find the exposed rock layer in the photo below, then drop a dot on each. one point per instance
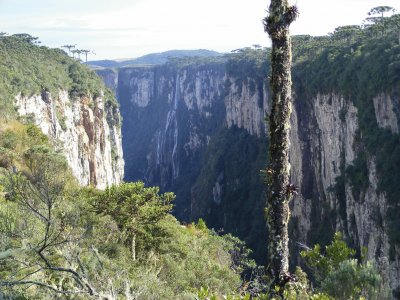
(86, 130)
(325, 130)
(178, 120)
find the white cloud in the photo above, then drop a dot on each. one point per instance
(322, 17)
(128, 28)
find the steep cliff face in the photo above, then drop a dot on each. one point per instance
(347, 107)
(87, 131)
(110, 78)
(173, 109)
(326, 129)
(245, 107)
(68, 102)
(387, 111)
(199, 131)
(190, 129)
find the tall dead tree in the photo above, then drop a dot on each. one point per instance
(78, 52)
(86, 54)
(277, 24)
(69, 47)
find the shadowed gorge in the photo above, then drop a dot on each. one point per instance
(180, 136)
(342, 112)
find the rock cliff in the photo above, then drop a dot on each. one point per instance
(198, 130)
(387, 111)
(86, 130)
(326, 135)
(68, 102)
(180, 121)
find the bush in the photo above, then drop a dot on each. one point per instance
(8, 139)
(352, 280)
(341, 276)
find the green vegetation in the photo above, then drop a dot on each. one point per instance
(29, 69)
(61, 239)
(133, 208)
(360, 64)
(230, 154)
(341, 276)
(336, 273)
(246, 63)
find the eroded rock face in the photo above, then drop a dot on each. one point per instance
(325, 134)
(110, 78)
(178, 120)
(245, 107)
(176, 126)
(164, 114)
(86, 130)
(387, 111)
(187, 98)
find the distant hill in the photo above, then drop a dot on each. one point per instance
(153, 58)
(103, 63)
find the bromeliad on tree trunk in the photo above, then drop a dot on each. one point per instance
(276, 24)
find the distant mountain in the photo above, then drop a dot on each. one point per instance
(153, 58)
(103, 63)
(161, 58)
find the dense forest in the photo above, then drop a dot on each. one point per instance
(60, 240)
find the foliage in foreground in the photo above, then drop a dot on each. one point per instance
(58, 240)
(336, 275)
(341, 276)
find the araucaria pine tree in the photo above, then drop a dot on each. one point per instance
(276, 24)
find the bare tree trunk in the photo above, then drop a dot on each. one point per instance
(133, 246)
(277, 23)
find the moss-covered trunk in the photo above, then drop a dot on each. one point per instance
(281, 15)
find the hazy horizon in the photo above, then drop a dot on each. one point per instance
(133, 28)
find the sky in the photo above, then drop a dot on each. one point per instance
(131, 28)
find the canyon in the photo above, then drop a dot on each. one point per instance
(198, 129)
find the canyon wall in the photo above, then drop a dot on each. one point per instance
(86, 130)
(199, 130)
(326, 145)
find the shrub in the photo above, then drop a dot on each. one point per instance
(341, 276)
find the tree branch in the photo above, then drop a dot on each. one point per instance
(34, 272)
(38, 283)
(78, 278)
